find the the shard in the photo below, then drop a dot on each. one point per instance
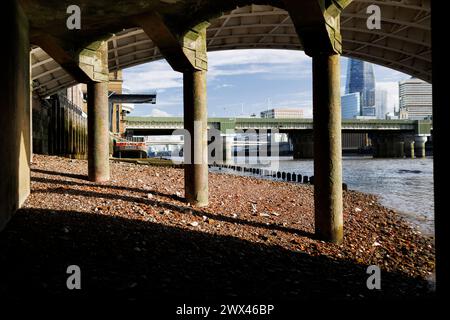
(360, 78)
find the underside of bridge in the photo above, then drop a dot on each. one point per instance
(116, 35)
(403, 43)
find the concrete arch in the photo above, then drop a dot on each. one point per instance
(403, 43)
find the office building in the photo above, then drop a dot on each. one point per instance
(361, 79)
(283, 113)
(415, 98)
(381, 103)
(350, 105)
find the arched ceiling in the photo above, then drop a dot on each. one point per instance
(403, 43)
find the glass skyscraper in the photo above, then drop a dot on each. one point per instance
(381, 103)
(350, 105)
(360, 78)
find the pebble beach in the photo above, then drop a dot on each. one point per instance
(135, 237)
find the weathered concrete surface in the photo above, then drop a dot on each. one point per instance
(195, 122)
(15, 118)
(102, 16)
(98, 124)
(98, 132)
(183, 52)
(317, 23)
(327, 148)
(85, 63)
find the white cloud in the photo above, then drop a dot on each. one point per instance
(255, 56)
(158, 75)
(158, 113)
(224, 85)
(275, 63)
(152, 76)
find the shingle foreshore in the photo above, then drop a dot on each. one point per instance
(136, 237)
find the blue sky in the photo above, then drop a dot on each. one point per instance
(242, 82)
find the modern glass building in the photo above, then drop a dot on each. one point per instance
(350, 105)
(361, 79)
(381, 103)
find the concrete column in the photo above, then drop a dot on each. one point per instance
(71, 133)
(16, 114)
(419, 146)
(409, 146)
(98, 132)
(388, 145)
(327, 148)
(399, 146)
(382, 147)
(394, 146)
(303, 143)
(195, 122)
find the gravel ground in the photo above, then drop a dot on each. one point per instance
(135, 237)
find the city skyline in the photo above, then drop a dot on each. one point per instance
(245, 82)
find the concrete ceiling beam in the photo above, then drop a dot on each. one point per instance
(317, 23)
(83, 64)
(183, 52)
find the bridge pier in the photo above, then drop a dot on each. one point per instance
(16, 113)
(98, 127)
(327, 147)
(398, 145)
(303, 144)
(419, 146)
(388, 145)
(196, 123)
(409, 146)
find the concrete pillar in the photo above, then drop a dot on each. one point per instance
(71, 132)
(398, 146)
(15, 112)
(388, 145)
(327, 148)
(419, 146)
(409, 147)
(77, 135)
(195, 122)
(395, 146)
(303, 143)
(98, 132)
(382, 147)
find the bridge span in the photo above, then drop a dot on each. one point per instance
(389, 138)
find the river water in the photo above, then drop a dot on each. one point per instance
(405, 185)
